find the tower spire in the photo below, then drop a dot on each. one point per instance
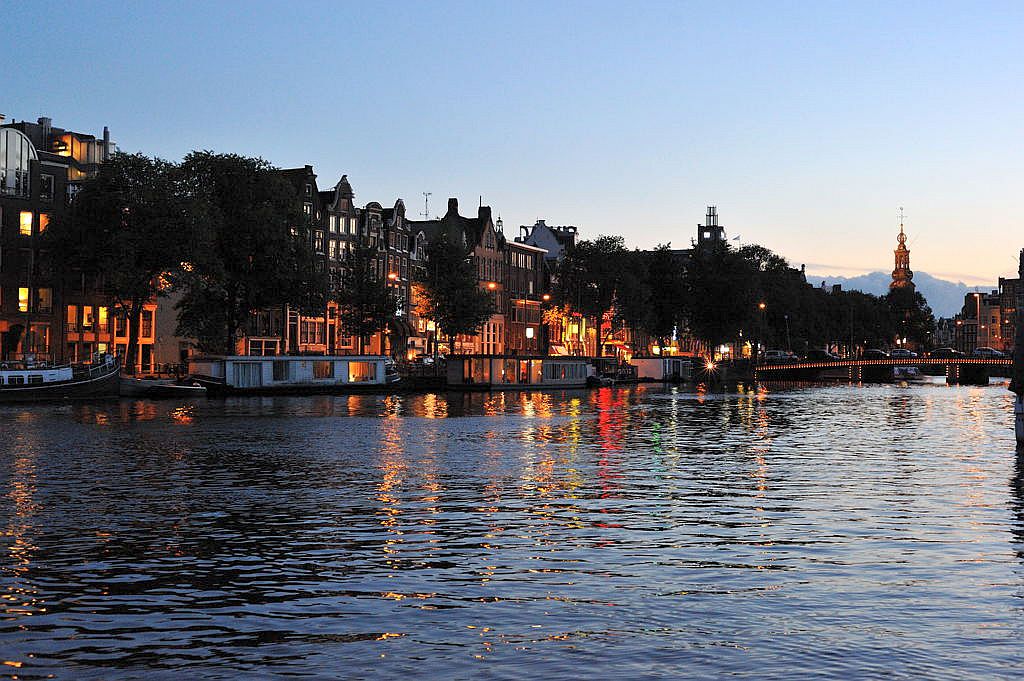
(902, 276)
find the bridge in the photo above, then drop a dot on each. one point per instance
(973, 370)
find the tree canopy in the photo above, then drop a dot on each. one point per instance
(253, 249)
(131, 223)
(449, 293)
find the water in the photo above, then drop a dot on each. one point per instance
(813, 532)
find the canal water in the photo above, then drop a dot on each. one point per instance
(617, 533)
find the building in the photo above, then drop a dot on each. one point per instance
(53, 316)
(902, 276)
(979, 322)
(1009, 289)
(512, 271)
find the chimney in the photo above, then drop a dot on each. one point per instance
(46, 124)
(106, 143)
(484, 213)
(453, 206)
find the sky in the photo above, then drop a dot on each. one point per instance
(809, 124)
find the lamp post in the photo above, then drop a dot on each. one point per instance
(789, 344)
(760, 331)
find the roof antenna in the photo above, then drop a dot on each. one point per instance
(426, 205)
(481, 200)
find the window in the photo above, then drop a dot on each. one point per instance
(39, 338)
(104, 322)
(46, 187)
(361, 372)
(147, 324)
(44, 222)
(16, 155)
(25, 223)
(323, 369)
(87, 318)
(23, 299)
(44, 300)
(281, 370)
(121, 324)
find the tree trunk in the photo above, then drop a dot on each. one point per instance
(132, 351)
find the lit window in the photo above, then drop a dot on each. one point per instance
(102, 311)
(44, 222)
(87, 318)
(26, 223)
(44, 300)
(23, 299)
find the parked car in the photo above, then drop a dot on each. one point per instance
(779, 357)
(946, 353)
(875, 353)
(819, 355)
(902, 353)
(988, 352)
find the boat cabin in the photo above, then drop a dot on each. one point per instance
(511, 372)
(663, 368)
(256, 373)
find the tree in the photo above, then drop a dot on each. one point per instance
(450, 295)
(589, 275)
(253, 250)
(130, 223)
(366, 302)
(665, 281)
(720, 287)
(912, 317)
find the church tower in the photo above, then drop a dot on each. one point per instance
(902, 276)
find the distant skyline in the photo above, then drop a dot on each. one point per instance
(807, 124)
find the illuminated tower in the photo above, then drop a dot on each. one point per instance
(902, 276)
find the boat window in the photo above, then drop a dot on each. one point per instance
(323, 369)
(281, 370)
(15, 380)
(361, 372)
(35, 378)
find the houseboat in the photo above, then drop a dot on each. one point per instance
(28, 381)
(254, 374)
(663, 368)
(518, 372)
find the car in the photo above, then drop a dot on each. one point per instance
(946, 353)
(779, 357)
(819, 355)
(875, 353)
(985, 351)
(902, 353)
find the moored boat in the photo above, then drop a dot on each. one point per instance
(257, 375)
(518, 372)
(152, 387)
(32, 382)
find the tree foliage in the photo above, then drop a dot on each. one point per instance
(449, 292)
(253, 249)
(366, 302)
(590, 274)
(130, 222)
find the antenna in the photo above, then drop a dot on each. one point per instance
(426, 205)
(901, 218)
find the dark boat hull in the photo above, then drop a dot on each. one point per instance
(133, 387)
(217, 388)
(102, 386)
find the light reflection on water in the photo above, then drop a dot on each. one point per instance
(843, 531)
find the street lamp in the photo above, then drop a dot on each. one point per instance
(760, 332)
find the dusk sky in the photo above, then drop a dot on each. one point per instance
(807, 124)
